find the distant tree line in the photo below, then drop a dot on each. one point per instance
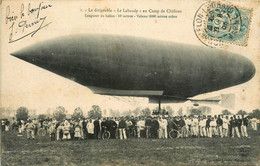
(60, 112)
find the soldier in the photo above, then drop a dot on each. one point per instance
(30, 127)
(234, 127)
(14, 125)
(225, 127)
(81, 124)
(72, 128)
(96, 128)
(22, 125)
(3, 125)
(187, 126)
(213, 126)
(117, 129)
(19, 124)
(208, 127)
(52, 131)
(7, 123)
(134, 121)
(122, 127)
(103, 125)
(35, 122)
(45, 124)
(193, 127)
(129, 126)
(163, 128)
(59, 130)
(141, 126)
(154, 128)
(202, 124)
(244, 126)
(170, 125)
(90, 128)
(196, 126)
(219, 126)
(183, 127)
(148, 124)
(254, 123)
(239, 124)
(111, 127)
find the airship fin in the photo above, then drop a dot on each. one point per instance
(224, 100)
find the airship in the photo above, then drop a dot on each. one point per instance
(141, 67)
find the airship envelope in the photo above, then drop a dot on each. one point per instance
(132, 66)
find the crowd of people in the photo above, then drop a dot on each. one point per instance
(157, 126)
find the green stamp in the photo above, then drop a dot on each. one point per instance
(227, 23)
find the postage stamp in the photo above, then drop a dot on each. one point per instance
(217, 23)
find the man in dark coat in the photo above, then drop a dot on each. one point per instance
(239, 123)
(103, 125)
(148, 124)
(175, 122)
(122, 128)
(96, 128)
(208, 126)
(219, 126)
(134, 128)
(154, 128)
(84, 129)
(183, 126)
(170, 125)
(234, 126)
(111, 127)
(244, 126)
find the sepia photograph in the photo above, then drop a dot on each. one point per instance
(130, 82)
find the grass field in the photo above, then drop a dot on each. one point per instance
(202, 151)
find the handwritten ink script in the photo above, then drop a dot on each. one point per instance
(26, 21)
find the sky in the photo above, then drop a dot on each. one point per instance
(23, 84)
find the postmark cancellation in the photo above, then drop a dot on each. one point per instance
(223, 23)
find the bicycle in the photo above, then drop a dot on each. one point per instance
(42, 132)
(105, 134)
(175, 133)
(132, 132)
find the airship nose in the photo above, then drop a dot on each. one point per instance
(247, 70)
(31, 58)
(40, 54)
(20, 55)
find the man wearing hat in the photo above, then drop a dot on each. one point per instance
(213, 126)
(225, 127)
(208, 126)
(219, 126)
(154, 128)
(202, 124)
(183, 127)
(244, 126)
(122, 127)
(234, 127)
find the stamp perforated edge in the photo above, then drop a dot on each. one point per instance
(223, 41)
